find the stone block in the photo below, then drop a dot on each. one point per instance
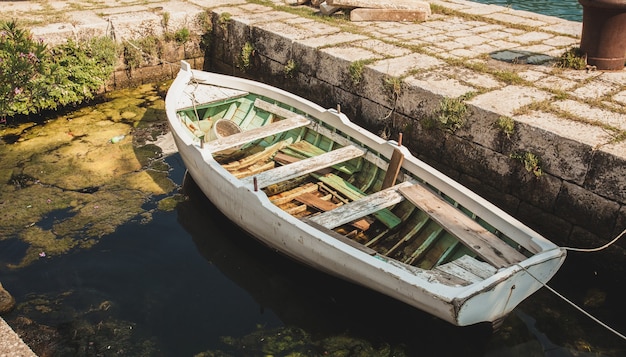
(509, 99)
(607, 172)
(566, 147)
(586, 209)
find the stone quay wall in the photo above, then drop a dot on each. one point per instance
(543, 143)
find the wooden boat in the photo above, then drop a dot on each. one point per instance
(307, 182)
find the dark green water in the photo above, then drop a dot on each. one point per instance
(565, 9)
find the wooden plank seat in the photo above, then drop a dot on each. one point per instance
(360, 208)
(468, 268)
(235, 140)
(479, 240)
(353, 193)
(272, 108)
(306, 166)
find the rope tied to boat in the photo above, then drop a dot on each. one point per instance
(598, 321)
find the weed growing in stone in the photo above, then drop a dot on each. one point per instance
(531, 162)
(291, 68)
(182, 36)
(573, 58)
(246, 55)
(506, 125)
(356, 71)
(451, 114)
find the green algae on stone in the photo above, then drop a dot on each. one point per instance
(65, 184)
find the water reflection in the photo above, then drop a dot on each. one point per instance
(565, 9)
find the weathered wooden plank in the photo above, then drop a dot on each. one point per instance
(273, 108)
(394, 168)
(399, 15)
(339, 237)
(323, 205)
(244, 137)
(479, 240)
(468, 268)
(306, 166)
(287, 196)
(360, 208)
(315, 201)
(345, 188)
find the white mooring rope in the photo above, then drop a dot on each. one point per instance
(617, 333)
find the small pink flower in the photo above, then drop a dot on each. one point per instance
(42, 255)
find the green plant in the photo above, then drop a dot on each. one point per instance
(223, 20)
(182, 36)
(290, 68)
(573, 58)
(451, 113)
(532, 163)
(34, 78)
(506, 125)
(246, 55)
(132, 56)
(393, 87)
(356, 71)
(508, 77)
(165, 20)
(21, 61)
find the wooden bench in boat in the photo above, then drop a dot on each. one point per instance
(360, 208)
(353, 193)
(485, 244)
(235, 140)
(272, 108)
(306, 166)
(468, 269)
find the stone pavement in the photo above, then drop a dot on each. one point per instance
(503, 57)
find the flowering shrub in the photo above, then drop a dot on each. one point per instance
(34, 77)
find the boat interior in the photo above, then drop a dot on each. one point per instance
(338, 185)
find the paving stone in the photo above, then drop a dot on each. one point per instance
(530, 37)
(562, 41)
(396, 67)
(463, 53)
(383, 48)
(531, 75)
(616, 77)
(517, 20)
(507, 100)
(496, 35)
(554, 82)
(595, 89)
(473, 78)
(620, 97)
(570, 28)
(332, 39)
(592, 114)
(449, 45)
